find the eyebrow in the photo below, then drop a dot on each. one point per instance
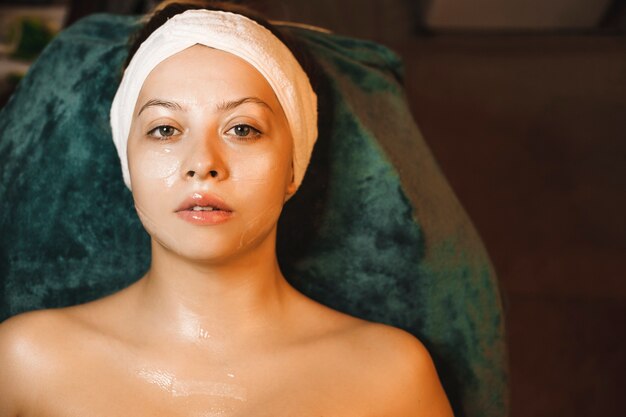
(172, 105)
(229, 105)
(223, 106)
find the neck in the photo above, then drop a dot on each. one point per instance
(235, 298)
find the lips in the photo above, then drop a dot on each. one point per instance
(204, 209)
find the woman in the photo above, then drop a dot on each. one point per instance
(214, 122)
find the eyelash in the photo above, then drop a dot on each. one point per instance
(162, 137)
(252, 134)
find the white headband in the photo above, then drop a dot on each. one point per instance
(239, 36)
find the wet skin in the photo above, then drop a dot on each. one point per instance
(213, 328)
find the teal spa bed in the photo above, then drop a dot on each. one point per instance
(386, 238)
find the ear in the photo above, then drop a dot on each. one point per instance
(291, 188)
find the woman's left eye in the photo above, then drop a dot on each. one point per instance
(244, 131)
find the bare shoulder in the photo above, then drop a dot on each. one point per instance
(402, 372)
(27, 349)
(386, 370)
(35, 349)
(27, 335)
(36, 332)
(394, 346)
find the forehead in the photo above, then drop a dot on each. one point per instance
(204, 74)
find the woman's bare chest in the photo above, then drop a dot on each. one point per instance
(276, 387)
(198, 398)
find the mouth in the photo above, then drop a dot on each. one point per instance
(204, 209)
(203, 202)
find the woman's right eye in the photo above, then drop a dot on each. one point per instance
(163, 132)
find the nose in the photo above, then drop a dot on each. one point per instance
(205, 160)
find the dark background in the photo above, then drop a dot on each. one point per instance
(528, 123)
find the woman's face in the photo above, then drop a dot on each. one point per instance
(209, 154)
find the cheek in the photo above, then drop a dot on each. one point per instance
(150, 169)
(270, 165)
(152, 165)
(153, 207)
(261, 181)
(259, 225)
(257, 168)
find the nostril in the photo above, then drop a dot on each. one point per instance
(212, 173)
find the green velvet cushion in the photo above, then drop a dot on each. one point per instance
(380, 233)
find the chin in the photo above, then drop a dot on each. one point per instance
(211, 245)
